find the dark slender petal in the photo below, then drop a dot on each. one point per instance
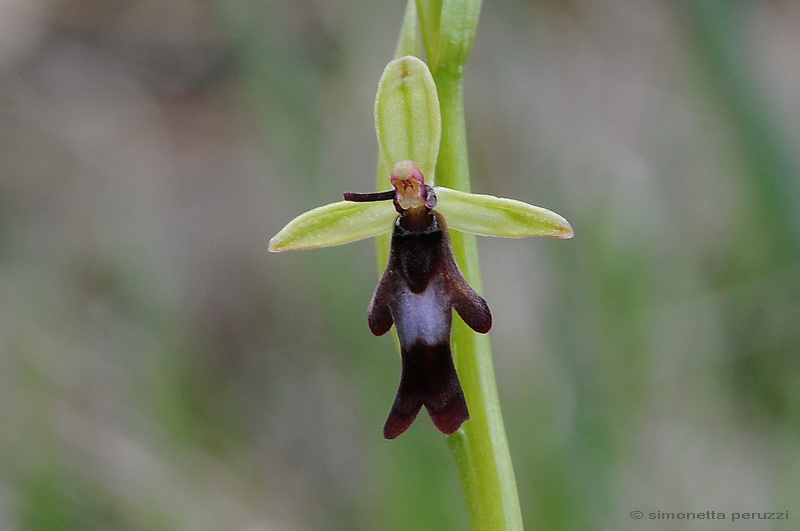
(372, 196)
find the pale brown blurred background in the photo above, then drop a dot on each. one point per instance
(159, 370)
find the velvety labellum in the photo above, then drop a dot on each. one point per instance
(420, 287)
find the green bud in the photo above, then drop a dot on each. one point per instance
(409, 41)
(430, 13)
(407, 119)
(458, 23)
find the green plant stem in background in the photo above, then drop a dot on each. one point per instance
(480, 447)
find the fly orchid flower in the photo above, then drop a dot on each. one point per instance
(422, 282)
(420, 287)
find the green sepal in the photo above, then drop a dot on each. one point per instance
(335, 224)
(488, 215)
(407, 117)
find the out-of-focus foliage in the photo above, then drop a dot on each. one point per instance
(160, 370)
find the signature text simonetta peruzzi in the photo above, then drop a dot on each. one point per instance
(710, 515)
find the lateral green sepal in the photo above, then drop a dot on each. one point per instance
(488, 215)
(334, 224)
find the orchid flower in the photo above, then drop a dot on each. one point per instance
(422, 282)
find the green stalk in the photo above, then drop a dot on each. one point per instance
(480, 448)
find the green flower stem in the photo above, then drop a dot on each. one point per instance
(480, 447)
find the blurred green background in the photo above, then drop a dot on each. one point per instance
(159, 370)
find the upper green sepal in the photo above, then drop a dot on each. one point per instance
(489, 215)
(407, 116)
(334, 224)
